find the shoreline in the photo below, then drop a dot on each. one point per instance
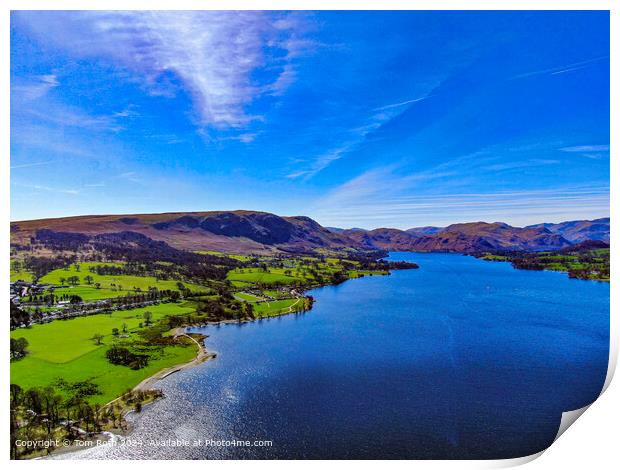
(201, 356)
(145, 385)
(148, 384)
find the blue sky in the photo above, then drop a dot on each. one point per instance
(357, 119)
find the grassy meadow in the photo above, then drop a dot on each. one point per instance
(64, 349)
(112, 283)
(255, 275)
(275, 308)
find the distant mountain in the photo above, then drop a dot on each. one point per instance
(227, 231)
(481, 236)
(577, 231)
(588, 245)
(255, 232)
(340, 230)
(462, 238)
(428, 230)
(382, 238)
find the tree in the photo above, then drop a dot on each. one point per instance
(16, 393)
(124, 327)
(122, 356)
(19, 317)
(88, 279)
(97, 285)
(249, 310)
(115, 331)
(19, 348)
(63, 281)
(73, 280)
(148, 316)
(97, 338)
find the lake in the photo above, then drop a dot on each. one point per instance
(460, 359)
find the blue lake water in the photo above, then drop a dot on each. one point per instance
(461, 359)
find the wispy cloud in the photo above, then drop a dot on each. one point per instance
(33, 88)
(519, 207)
(586, 148)
(392, 196)
(38, 187)
(30, 99)
(383, 182)
(213, 53)
(63, 115)
(322, 161)
(402, 103)
(54, 141)
(562, 68)
(593, 152)
(28, 165)
(353, 137)
(519, 164)
(130, 176)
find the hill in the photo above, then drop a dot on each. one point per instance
(226, 231)
(462, 238)
(246, 232)
(428, 230)
(577, 231)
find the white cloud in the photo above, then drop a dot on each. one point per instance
(353, 138)
(586, 148)
(213, 53)
(402, 103)
(36, 87)
(562, 68)
(38, 187)
(131, 176)
(28, 165)
(321, 162)
(520, 164)
(520, 207)
(30, 98)
(395, 197)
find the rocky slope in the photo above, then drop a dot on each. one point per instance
(577, 231)
(228, 231)
(462, 238)
(257, 232)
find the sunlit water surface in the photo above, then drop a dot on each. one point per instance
(462, 358)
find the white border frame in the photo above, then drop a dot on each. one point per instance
(593, 442)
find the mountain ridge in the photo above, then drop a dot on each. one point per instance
(577, 231)
(245, 231)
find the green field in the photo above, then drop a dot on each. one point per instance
(112, 283)
(277, 307)
(21, 276)
(248, 297)
(113, 380)
(276, 294)
(225, 255)
(255, 275)
(579, 264)
(63, 349)
(89, 293)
